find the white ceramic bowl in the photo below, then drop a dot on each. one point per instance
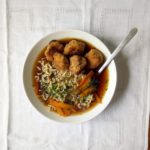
(27, 76)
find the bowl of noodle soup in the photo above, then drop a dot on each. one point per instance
(61, 77)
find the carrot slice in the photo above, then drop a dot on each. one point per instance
(97, 98)
(87, 91)
(67, 112)
(56, 104)
(60, 112)
(84, 82)
(86, 79)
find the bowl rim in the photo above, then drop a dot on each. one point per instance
(57, 32)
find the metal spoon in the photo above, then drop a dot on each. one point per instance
(122, 44)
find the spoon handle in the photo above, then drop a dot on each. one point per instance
(123, 43)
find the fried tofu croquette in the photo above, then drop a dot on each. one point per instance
(77, 64)
(53, 46)
(94, 58)
(74, 47)
(60, 61)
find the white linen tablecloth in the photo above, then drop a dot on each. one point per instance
(124, 124)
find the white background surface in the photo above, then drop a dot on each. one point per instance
(123, 125)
